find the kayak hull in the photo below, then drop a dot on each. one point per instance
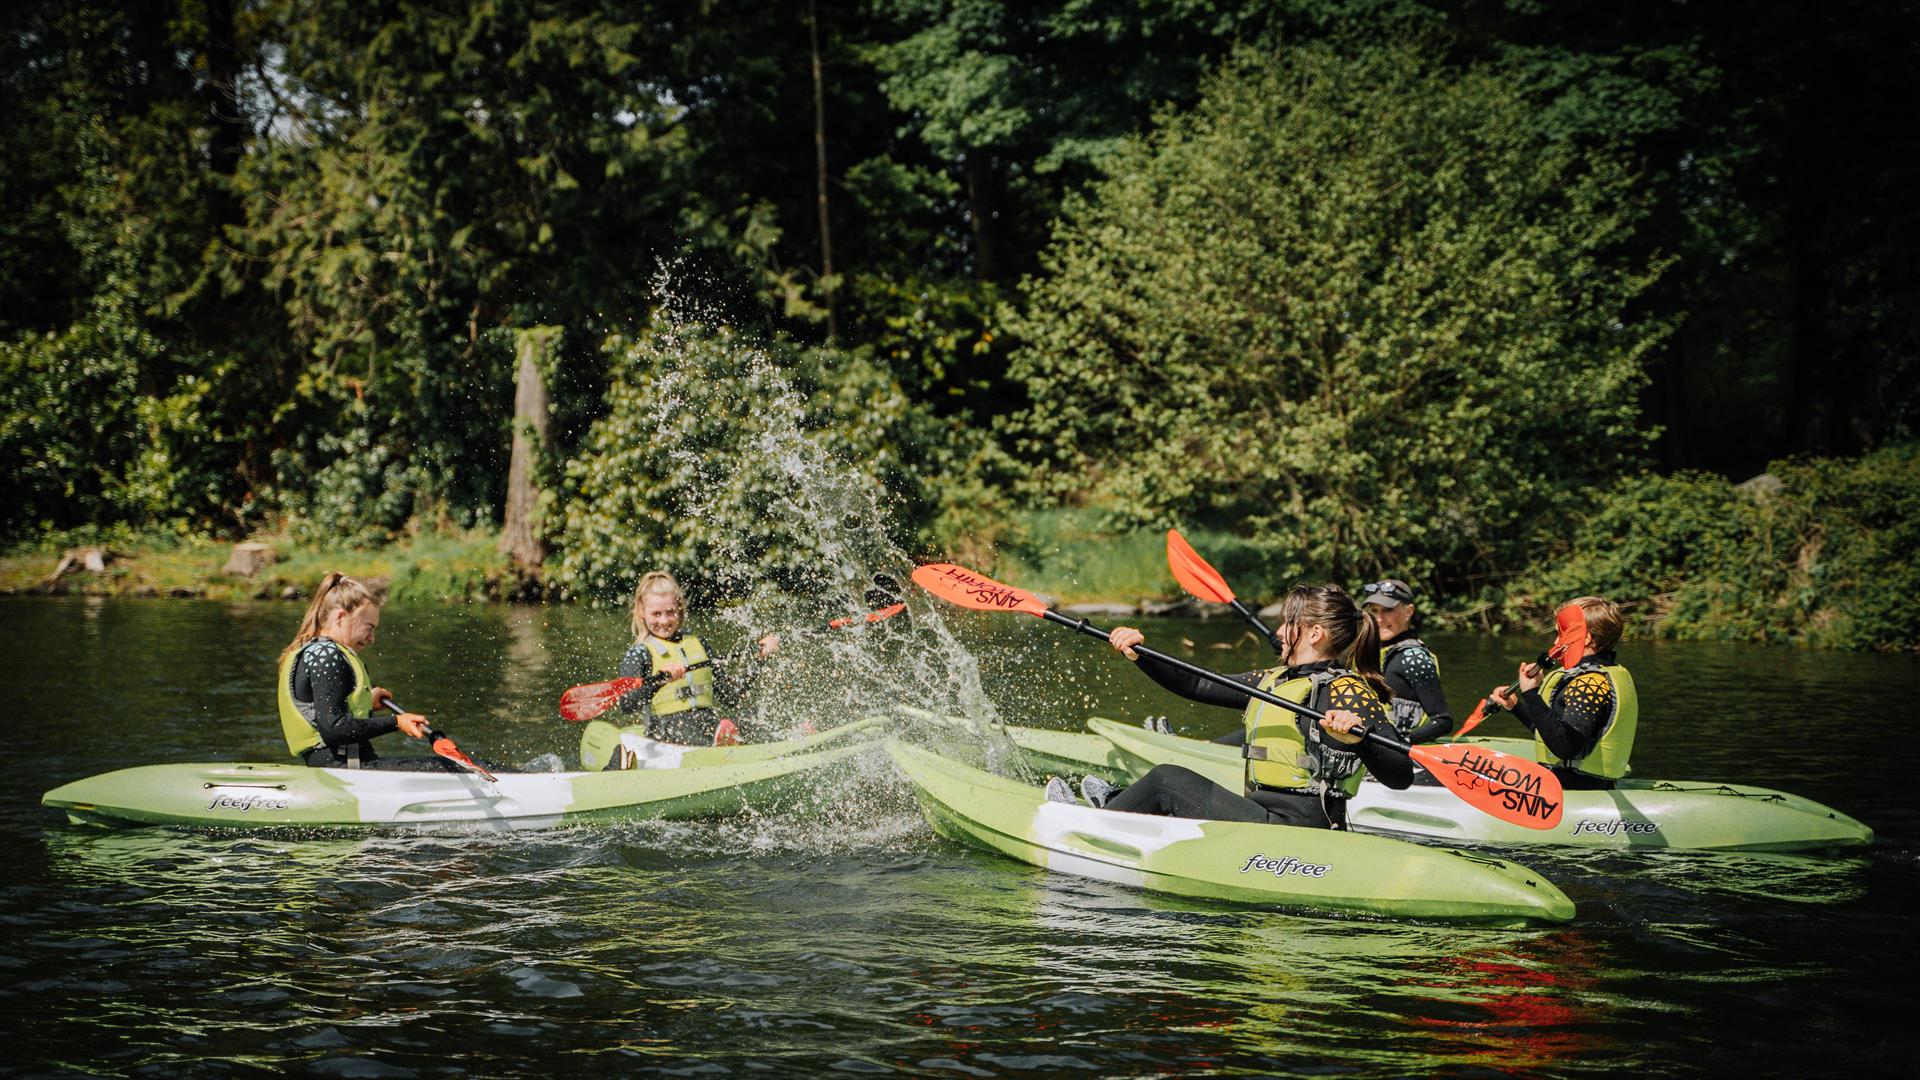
(1637, 815)
(1268, 865)
(600, 739)
(247, 796)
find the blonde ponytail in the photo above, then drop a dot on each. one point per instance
(336, 592)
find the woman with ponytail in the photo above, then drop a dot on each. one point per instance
(1299, 771)
(326, 699)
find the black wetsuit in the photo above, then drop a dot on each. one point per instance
(1411, 673)
(1180, 792)
(322, 677)
(1571, 725)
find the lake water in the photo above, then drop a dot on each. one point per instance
(849, 938)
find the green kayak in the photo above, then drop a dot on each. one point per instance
(287, 796)
(1636, 815)
(600, 739)
(1277, 865)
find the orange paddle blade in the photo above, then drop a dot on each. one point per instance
(959, 585)
(845, 621)
(1510, 788)
(1571, 643)
(727, 733)
(1473, 719)
(1193, 573)
(586, 702)
(445, 748)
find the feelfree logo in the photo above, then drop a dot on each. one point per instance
(1284, 865)
(245, 803)
(1614, 828)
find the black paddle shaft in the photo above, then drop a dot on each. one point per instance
(1196, 670)
(1249, 614)
(1545, 659)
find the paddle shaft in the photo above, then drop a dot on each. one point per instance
(1541, 663)
(434, 736)
(1197, 671)
(1253, 618)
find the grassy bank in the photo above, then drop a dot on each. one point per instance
(430, 567)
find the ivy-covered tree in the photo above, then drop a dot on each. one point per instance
(1351, 305)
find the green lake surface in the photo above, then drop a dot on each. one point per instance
(847, 938)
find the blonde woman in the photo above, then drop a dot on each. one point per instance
(679, 698)
(327, 700)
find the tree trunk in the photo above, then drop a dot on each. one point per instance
(518, 540)
(984, 268)
(820, 167)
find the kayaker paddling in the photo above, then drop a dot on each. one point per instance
(327, 701)
(1583, 719)
(1298, 771)
(1418, 706)
(681, 688)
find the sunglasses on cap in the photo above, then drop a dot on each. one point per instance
(1389, 588)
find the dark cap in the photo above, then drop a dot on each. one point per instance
(1390, 593)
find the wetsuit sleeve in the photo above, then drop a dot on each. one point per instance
(1352, 693)
(1412, 673)
(1572, 725)
(329, 680)
(1194, 688)
(636, 664)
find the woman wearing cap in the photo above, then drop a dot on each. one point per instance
(678, 699)
(1583, 719)
(327, 700)
(1299, 771)
(1419, 706)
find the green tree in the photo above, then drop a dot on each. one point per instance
(735, 464)
(1351, 304)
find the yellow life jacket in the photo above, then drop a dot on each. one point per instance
(694, 690)
(1287, 751)
(1407, 713)
(296, 718)
(1609, 756)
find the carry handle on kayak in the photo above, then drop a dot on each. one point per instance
(443, 744)
(1511, 788)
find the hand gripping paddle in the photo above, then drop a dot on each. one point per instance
(443, 744)
(1510, 788)
(1569, 647)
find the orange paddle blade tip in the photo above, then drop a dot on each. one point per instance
(959, 585)
(1473, 719)
(1193, 573)
(1510, 788)
(726, 734)
(845, 621)
(1570, 641)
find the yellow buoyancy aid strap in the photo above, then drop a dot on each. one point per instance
(694, 690)
(1610, 756)
(1287, 751)
(296, 718)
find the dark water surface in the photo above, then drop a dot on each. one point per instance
(850, 939)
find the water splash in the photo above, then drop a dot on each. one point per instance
(817, 545)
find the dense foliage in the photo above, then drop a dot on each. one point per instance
(1815, 552)
(1351, 301)
(726, 463)
(263, 262)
